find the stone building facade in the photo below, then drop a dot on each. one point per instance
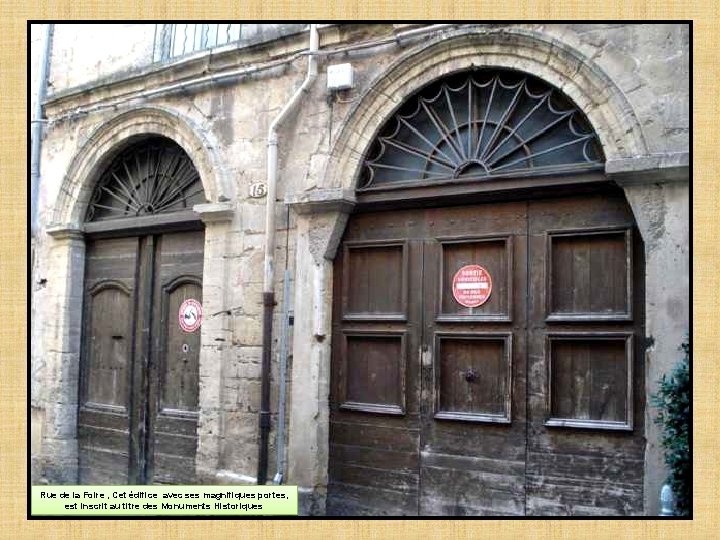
(114, 86)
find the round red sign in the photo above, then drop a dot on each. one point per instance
(472, 286)
(190, 315)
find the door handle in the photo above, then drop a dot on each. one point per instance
(470, 375)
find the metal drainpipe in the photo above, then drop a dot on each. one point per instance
(282, 392)
(269, 266)
(36, 130)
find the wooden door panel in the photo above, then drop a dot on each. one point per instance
(101, 465)
(364, 498)
(137, 360)
(111, 259)
(473, 431)
(107, 362)
(590, 275)
(585, 396)
(381, 437)
(178, 379)
(372, 377)
(473, 377)
(375, 281)
(475, 489)
(403, 482)
(374, 402)
(548, 498)
(492, 253)
(174, 370)
(590, 380)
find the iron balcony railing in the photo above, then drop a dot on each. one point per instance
(175, 40)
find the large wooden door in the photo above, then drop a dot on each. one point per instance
(137, 417)
(528, 404)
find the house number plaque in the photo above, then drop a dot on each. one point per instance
(258, 190)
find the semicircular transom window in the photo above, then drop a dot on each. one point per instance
(478, 125)
(153, 176)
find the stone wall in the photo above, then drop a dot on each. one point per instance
(647, 117)
(83, 53)
(650, 64)
(88, 54)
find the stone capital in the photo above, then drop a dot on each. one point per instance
(650, 169)
(62, 232)
(322, 200)
(215, 212)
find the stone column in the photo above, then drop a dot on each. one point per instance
(63, 316)
(215, 338)
(322, 215)
(657, 189)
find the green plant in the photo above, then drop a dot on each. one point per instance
(673, 402)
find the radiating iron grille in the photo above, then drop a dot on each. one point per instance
(480, 125)
(174, 40)
(151, 177)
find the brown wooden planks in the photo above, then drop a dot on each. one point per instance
(173, 469)
(448, 490)
(102, 467)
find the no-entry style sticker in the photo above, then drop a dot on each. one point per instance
(472, 286)
(190, 315)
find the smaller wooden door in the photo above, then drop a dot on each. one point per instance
(137, 418)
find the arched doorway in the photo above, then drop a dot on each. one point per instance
(488, 306)
(138, 396)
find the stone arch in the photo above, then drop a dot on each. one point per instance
(576, 75)
(112, 136)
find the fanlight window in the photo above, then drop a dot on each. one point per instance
(154, 176)
(479, 125)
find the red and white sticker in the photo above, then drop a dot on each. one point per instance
(190, 315)
(472, 286)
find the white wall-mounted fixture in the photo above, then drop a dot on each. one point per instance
(340, 77)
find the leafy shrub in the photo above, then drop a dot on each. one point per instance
(673, 401)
